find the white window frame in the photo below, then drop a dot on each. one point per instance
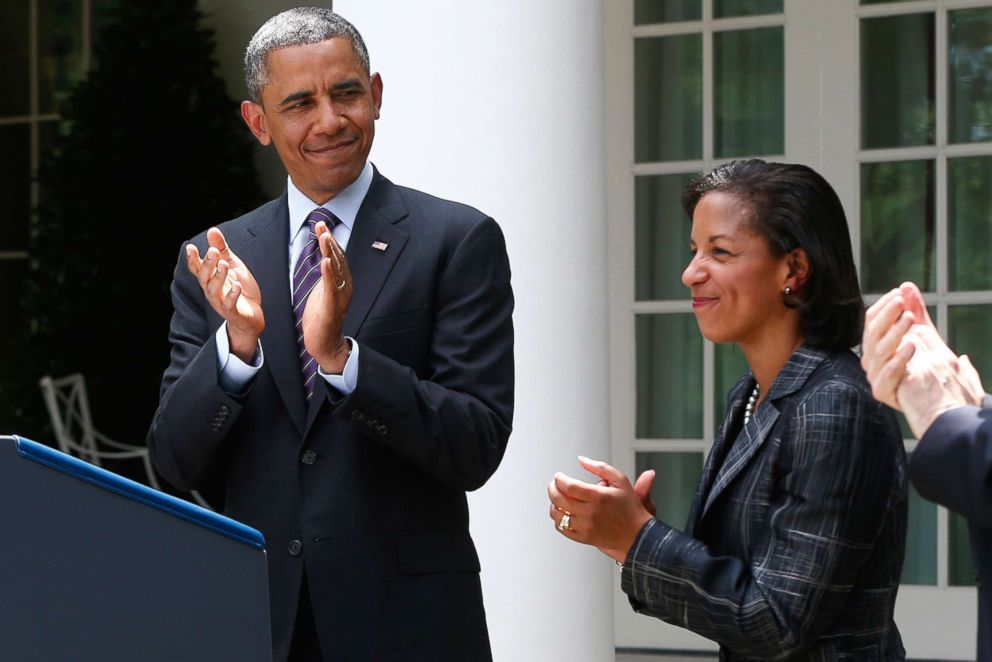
(822, 83)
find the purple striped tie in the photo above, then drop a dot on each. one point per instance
(307, 275)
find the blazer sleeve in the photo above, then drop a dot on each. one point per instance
(844, 471)
(454, 423)
(194, 413)
(952, 464)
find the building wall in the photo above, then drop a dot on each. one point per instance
(501, 106)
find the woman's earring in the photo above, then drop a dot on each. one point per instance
(787, 291)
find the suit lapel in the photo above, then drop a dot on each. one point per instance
(268, 259)
(369, 266)
(375, 224)
(790, 379)
(720, 442)
(750, 439)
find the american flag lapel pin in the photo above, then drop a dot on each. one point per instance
(380, 245)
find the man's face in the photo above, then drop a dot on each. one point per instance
(319, 109)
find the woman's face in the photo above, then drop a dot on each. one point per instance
(737, 284)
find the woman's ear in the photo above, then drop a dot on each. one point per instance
(799, 267)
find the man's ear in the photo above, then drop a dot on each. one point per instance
(376, 83)
(254, 117)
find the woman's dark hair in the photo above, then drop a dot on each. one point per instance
(792, 207)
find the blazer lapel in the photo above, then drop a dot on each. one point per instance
(268, 259)
(369, 264)
(720, 442)
(750, 439)
(753, 435)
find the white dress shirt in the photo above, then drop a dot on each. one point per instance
(235, 374)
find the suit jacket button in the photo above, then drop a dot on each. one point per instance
(355, 414)
(381, 430)
(309, 457)
(295, 547)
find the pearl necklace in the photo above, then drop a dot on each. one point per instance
(750, 404)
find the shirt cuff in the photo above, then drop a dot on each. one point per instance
(345, 382)
(234, 375)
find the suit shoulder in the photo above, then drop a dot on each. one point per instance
(235, 228)
(841, 370)
(440, 210)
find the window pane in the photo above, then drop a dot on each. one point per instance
(665, 11)
(668, 98)
(661, 242)
(970, 329)
(60, 50)
(15, 185)
(970, 75)
(730, 367)
(961, 568)
(969, 333)
(12, 274)
(920, 566)
(15, 80)
(897, 81)
(897, 225)
(676, 478)
(969, 222)
(749, 96)
(669, 376)
(726, 8)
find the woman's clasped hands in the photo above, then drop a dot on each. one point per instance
(607, 515)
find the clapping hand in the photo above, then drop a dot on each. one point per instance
(231, 291)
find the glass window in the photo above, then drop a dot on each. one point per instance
(898, 240)
(666, 11)
(749, 92)
(961, 571)
(897, 81)
(668, 98)
(969, 73)
(728, 8)
(661, 241)
(669, 376)
(969, 333)
(970, 329)
(15, 74)
(969, 222)
(730, 367)
(15, 185)
(12, 275)
(60, 51)
(920, 566)
(676, 478)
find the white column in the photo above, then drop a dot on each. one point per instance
(501, 105)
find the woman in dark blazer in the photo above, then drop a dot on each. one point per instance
(795, 538)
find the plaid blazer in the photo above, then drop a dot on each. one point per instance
(795, 540)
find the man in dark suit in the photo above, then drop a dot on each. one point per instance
(911, 369)
(343, 402)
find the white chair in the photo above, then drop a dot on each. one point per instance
(69, 409)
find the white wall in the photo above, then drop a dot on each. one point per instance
(501, 105)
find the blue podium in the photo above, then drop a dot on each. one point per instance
(96, 567)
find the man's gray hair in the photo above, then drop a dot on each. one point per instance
(296, 27)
